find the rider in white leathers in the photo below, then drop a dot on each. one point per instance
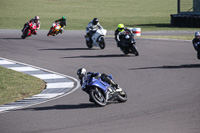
(92, 27)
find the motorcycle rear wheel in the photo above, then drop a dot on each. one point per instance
(97, 97)
(122, 97)
(102, 43)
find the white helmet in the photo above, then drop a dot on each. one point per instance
(37, 17)
(81, 72)
(197, 34)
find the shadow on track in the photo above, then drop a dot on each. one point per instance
(12, 38)
(170, 67)
(100, 56)
(63, 107)
(68, 49)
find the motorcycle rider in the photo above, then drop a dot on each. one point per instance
(121, 30)
(62, 22)
(196, 42)
(34, 20)
(83, 75)
(92, 27)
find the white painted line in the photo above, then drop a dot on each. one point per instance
(45, 97)
(23, 69)
(8, 108)
(50, 95)
(4, 62)
(48, 76)
(60, 85)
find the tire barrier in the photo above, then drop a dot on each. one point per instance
(179, 20)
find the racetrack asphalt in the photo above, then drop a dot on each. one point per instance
(162, 84)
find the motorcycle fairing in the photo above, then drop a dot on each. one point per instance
(98, 83)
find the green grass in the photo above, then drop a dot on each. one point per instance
(148, 14)
(16, 86)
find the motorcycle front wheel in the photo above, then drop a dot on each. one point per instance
(102, 43)
(25, 34)
(23, 37)
(122, 97)
(88, 44)
(134, 50)
(50, 32)
(97, 97)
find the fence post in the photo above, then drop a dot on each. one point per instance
(178, 6)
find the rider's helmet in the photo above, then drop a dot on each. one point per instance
(120, 27)
(95, 21)
(36, 19)
(81, 72)
(63, 17)
(197, 35)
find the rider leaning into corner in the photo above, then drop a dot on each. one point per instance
(62, 22)
(121, 30)
(92, 26)
(83, 75)
(34, 20)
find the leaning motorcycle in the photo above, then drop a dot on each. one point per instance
(101, 92)
(54, 30)
(128, 44)
(97, 39)
(29, 30)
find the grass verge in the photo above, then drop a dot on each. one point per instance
(150, 15)
(16, 86)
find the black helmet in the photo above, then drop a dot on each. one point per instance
(95, 21)
(81, 72)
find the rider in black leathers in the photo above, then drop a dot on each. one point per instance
(196, 43)
(121, 30)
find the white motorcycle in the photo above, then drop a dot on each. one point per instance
(97, 39)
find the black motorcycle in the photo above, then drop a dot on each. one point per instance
(128, 44)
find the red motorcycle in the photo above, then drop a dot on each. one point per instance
(29, 30)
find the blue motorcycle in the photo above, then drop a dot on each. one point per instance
(101, 92)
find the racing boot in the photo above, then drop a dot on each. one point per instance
(117, 88)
